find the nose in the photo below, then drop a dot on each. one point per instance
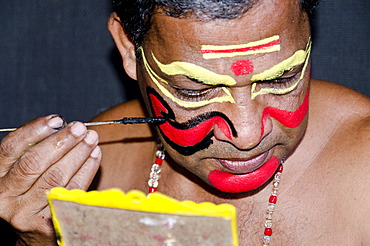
(250, 123)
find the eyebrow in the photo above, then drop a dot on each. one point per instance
(155, 77)
(278, 70)
(193, 71)
(254, 93)
(266, 45)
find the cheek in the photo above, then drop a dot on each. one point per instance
(289, 119)
(192, 135)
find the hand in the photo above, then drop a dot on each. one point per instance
(35, 158)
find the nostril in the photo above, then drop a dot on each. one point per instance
(247, 136)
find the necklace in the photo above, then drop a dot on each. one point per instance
(155, 171)
(155, 175)
(271, 205)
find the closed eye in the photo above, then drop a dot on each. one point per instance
(194, 95)
(280, 82)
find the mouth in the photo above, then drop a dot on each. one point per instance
(243, 166)
(250, 174)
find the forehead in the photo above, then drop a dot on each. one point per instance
(180, 39)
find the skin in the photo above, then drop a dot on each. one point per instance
(35, 158)
(277, 140)
(316, 159)
(324, 195)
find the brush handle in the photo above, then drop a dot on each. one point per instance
(125, 121)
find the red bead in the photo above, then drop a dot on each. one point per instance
(281, 168)
(268, 231)
(158, 161)
(152, 189)
(273, 199)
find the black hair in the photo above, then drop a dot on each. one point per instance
(135, 15)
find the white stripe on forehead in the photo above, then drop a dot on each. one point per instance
(266, 45)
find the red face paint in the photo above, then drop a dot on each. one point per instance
(237, 183)
(251, 48)
(192, 135)
(242, 67)
(289, 119)
(232, 183)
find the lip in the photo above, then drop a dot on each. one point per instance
(243, 166)
(236, 183)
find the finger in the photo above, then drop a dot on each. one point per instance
(81, 180)
(87, 172)
(16, 143)
(38, 158)
(60, 174)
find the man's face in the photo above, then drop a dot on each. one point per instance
(235, 92)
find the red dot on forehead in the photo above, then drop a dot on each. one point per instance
(242, 67)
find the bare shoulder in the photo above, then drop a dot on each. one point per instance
(341, 119)
(347, 102)
(125, 148)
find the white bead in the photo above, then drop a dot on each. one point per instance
(156, 168)
(154, 175)
(266, 239)
(277, 176)
(153, 183)
(160, 154)
(271, 207)
(268, 224)
(268, 215)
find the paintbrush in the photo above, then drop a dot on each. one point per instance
(125, 121)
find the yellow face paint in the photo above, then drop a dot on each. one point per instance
(195, 72)
(276, 71)
(157, 80)
(266, 45)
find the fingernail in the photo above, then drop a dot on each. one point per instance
(91, 137)
(57, 122)
(78, 129)
(96, 152)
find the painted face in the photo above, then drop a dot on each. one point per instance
(235, 92)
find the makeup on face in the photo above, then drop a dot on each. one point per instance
(193, 71)
(290, 119)
(207, 77)
(275, 48)
(193, 135)
(240, 67)
(273, 73)
(266, 45)
(237, 183)
(196, 133)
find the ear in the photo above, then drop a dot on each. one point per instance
(125, 47)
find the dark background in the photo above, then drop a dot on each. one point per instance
(57, 56)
